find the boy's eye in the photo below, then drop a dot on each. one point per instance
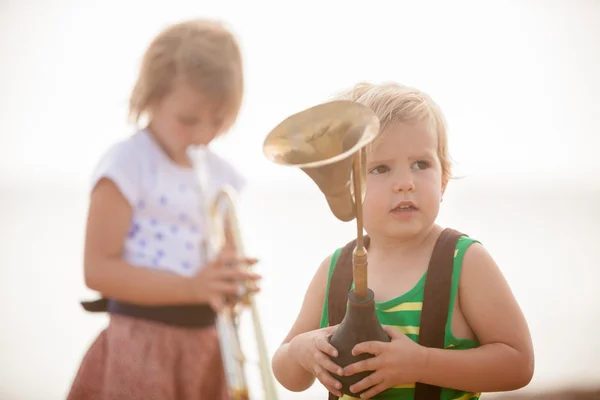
(380, 169)
(421, 165)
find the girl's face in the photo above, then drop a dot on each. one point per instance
(182, 118)
(404, 182)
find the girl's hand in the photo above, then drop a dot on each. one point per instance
(395, 363)
(311, 350)
(223, 278)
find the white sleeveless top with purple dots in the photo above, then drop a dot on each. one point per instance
(167, 227)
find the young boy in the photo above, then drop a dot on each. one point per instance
(487, 341)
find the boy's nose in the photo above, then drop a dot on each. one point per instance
(404, 184)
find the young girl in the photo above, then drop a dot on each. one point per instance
(145, 237)
(487, 341)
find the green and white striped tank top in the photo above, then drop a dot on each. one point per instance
(404, 313)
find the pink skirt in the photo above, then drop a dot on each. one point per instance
(139, 359)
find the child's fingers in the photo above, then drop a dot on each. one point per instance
(231, 287)
(324, 346)
(236, 262)
(250, 260)
(235, 274)
(392, 332)
(374, 381)
(251, 275)
(371, 347)
(325, 362)
(327, 380)
(369, 364)
(226, 288)
(330, 329)
(374, 390)
(216, 303)
(232, 260)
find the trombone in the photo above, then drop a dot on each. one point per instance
(223, 229)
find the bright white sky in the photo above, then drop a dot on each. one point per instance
(518, 81)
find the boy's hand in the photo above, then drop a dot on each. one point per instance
(395, 363)
(311, 350)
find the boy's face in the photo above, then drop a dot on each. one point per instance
(185, 117)
(404, 182)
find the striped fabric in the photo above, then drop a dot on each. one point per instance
(404, 313)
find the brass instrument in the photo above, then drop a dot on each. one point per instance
(223, 227)
(328, 142)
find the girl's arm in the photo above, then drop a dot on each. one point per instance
(505, 360)
(287, 371)
(105, 271)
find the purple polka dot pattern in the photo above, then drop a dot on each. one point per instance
(159, 239)
(135, 228)
(167, 226)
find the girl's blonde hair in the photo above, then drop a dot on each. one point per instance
(394, 102)
(202, 53)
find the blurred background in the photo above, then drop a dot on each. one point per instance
(518, 82)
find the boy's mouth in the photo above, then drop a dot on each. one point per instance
(405, 206)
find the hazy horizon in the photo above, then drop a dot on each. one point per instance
(543, 247)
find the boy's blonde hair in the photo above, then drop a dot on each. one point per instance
(202, 53)
(394, 102)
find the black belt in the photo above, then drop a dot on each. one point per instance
(191, 316)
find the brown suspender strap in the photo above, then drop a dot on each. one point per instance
(436, 302)
(436, 297)
(341, 282)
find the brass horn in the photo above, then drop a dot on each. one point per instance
(322, 141)
(223, 227)
(328, 142)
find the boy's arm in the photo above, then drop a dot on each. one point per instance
(505, 360)
(289, 373)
